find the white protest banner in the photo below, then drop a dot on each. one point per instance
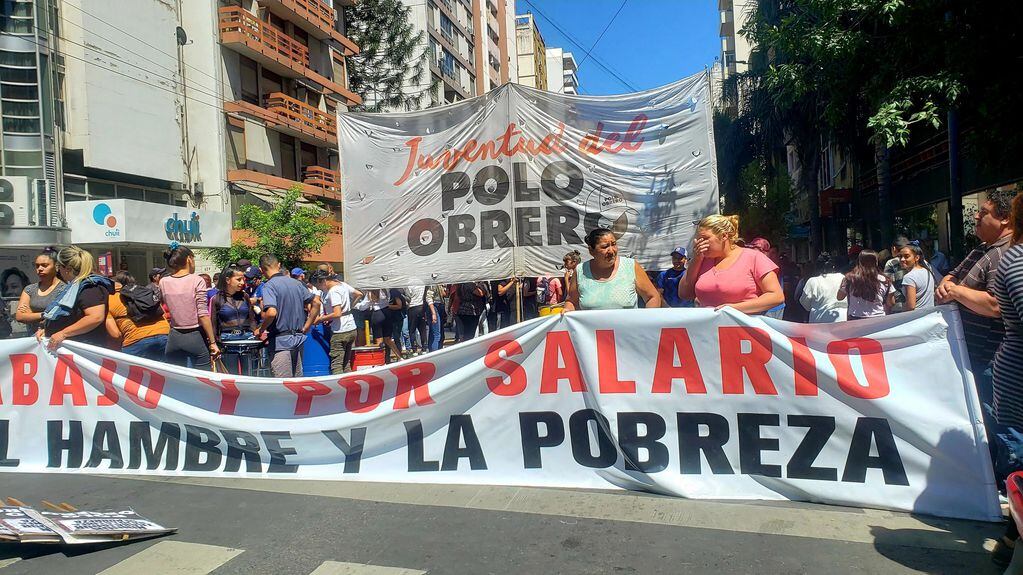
(507, 183)
(695, 403)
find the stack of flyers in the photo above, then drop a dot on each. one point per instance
(23, 527)
(26, 525)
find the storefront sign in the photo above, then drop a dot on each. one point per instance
(146, 223)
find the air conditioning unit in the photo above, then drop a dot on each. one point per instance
(14, 204)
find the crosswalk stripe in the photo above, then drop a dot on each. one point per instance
(174, 558)
(339, 568)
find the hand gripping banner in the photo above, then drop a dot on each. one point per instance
(693, 403)
(505, 184)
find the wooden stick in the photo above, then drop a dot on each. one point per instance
(15, 502)
(52, 506)
(68, 507)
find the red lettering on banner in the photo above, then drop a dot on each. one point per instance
(353, 392)
(24, 367)
(306, 391)
(107, 371)
(804, 366)
(449, 158)
(734, 362)
(67, 380)
(497, 359)
(228, 394)
(154, 386)
(413, 378)
(631, 140)
(675, 341)
(559, 347)
(607, 365)
(872, 356)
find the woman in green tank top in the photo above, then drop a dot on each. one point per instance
(608, 281)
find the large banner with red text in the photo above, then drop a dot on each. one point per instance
(505, 184)
(687, 402)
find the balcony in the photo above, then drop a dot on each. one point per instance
(727, 23)
(314, 191)
(323, 178)
(290, 116)
(241, 31)
(315, 17)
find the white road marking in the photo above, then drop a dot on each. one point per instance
(174, 558)
(773, 518)
(8, 562)
(339, 568)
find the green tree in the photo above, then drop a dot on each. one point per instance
(288, 230)
(389, 67)
(879, 71)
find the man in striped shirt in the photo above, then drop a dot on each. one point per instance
(970, 285)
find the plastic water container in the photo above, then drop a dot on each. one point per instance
(316, 351)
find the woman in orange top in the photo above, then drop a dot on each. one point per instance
(148, 337)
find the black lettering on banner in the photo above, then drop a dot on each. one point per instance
(561, 224)
(460, 428)
(140, 441)
(461, 238)
(201, 441)
(479, 186)
(415, 237)
(631, 441)
(278, 453)
(579, 430)
(242, 445)
(819, 429)
(870, 431)
(494, 226)
(5, 444)
(523, 191)
(549, 182)
(105, 445)
(453, 185)
(416, 457)
(532, 441)
(752, 444)
(691, 443)
(352, 449)
(527, 227)
(57, 444)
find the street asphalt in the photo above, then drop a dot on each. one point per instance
(253, 526)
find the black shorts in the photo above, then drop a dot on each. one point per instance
(379, 323)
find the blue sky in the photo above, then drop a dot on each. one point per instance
(650, 43)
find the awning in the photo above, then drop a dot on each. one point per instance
(272, 195)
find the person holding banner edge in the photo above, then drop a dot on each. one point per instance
(724, 274)
(608, 281)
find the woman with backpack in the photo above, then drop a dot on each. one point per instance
(191, 341)
(867, 288)
(135, 318)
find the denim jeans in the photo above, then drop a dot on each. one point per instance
(152, 347)
(436, 328)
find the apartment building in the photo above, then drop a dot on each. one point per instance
(735, 48)
(561, 71)
(31, 208)
(532, 53)
(126, 129)
(284, 79)
(496, 60)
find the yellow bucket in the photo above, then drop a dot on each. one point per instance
(546, 310)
